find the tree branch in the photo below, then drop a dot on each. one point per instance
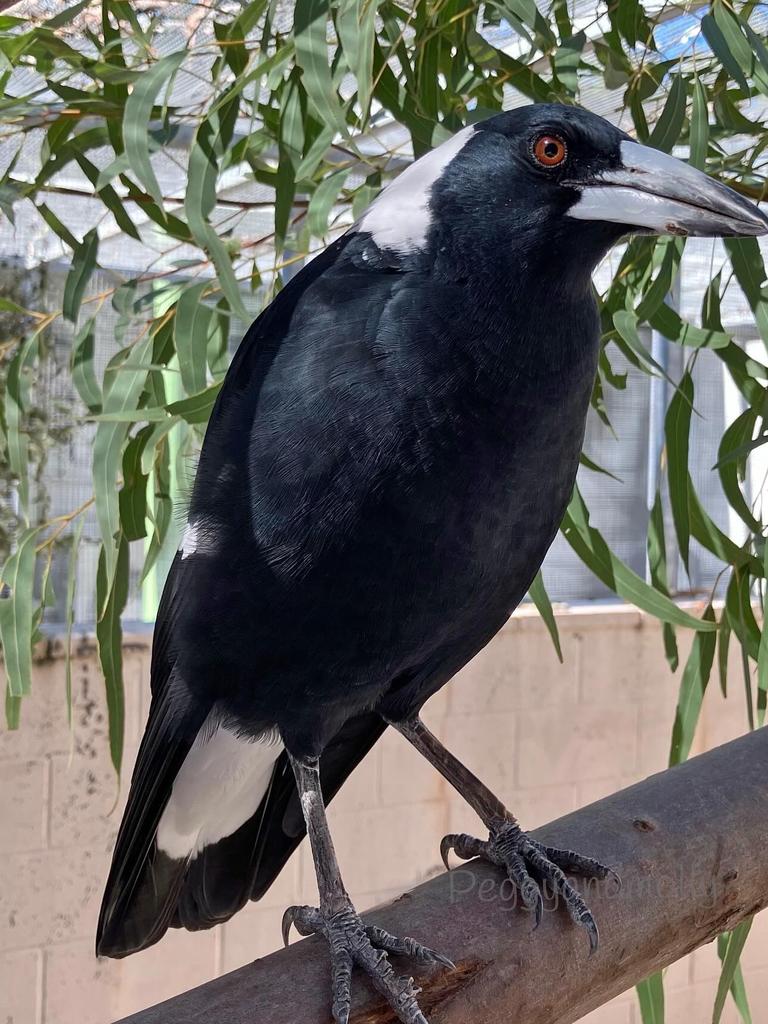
(689, 844)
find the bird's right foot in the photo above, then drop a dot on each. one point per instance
(353, 942)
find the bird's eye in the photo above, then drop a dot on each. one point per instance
(549, 150)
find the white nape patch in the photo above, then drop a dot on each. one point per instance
(196, 540)
(219, 787)
(399, 218)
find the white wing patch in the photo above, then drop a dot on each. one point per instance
(400, 217)
(219, 787)
(197, 539)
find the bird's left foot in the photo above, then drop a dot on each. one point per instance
(353, 942)
(520, 856)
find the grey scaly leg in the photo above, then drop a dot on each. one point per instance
(350, 940)
(507, 845)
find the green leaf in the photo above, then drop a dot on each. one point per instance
(657, 564)
(136, 118)
(762, 659)
(714, 36)
(699, 139)
(133, 494)
(16, 405)
(733, 946)
(210, 144)
(111, 597)
(356, 25)
(672, 326)
(127, 383)
(310, 31)
(723, 645)
(590, 546)
(538, 594)
(193, 324)
(738, 606)
(17, 612)
(670, 125)
(83, 263)
(82, 366)
(650, 995)
(736, 441)
(323, 198)
(68, 14)
(693, 685)
(69, 611)
(677, 429)
(748, 266)
(196, 408)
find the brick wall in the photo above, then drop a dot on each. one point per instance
(547, 738)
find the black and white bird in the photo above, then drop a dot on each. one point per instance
(385, 468)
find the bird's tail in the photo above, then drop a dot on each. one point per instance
(211, 820)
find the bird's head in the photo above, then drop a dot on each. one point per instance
(553, 178)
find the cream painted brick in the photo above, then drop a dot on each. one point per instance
(693, 1005)
(286, 889)
(516, 670)
(722, 719)
(252, 933)
(388, 847)
(618, 1011)
(608, 663)
(679, 974)
(588, 742)
(81, 989)
(486, 744)
(87, 801)
(43, 716)
(532, 807)
(592, 790)
(44, 728)
(706, 963)
(23, 806)
(361, 789)
(755, 953)
(54, 896)
(21, 987)
(406, 776)
(655, 732)
(116, 988)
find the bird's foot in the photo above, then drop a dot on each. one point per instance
(352, 942)
(522, 857)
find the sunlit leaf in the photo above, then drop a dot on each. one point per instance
(538, 594)
(693, 685)
(112, 595)
(677, 428)
(138, 111)
(17, 582)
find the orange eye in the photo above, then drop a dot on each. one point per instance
(549, 150)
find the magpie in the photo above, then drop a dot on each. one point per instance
(385, 467)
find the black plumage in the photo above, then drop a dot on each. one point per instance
(385, 468)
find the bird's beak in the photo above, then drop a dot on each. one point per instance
(654, 192)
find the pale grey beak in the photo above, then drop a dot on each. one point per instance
(657, 193)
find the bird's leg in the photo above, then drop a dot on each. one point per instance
(350, 940)
(507, 845)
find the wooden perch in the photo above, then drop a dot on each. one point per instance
(689, 843)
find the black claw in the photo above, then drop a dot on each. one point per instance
(594, 935)
(446, 845)
(610, 873)
(538, 911)
(285, 926)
